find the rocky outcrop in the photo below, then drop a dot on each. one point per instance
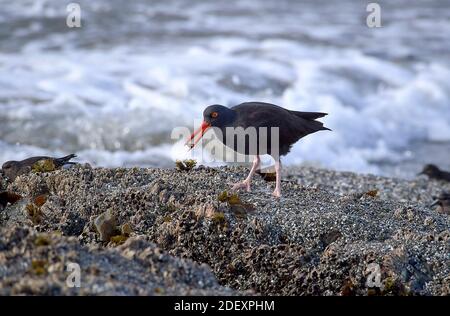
(342, 234)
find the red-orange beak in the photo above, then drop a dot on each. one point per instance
(200, 131)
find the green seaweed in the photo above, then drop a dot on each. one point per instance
(118, 239)
(372, 193)
(39, 267)
(223, 197)
(185, 165)
(42, 240)
(34, 213)
(45, 165)
(218, 218)
(126, 229)
(235, 204)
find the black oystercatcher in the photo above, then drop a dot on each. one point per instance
(13, 169)
(275, 128)
(433, 172)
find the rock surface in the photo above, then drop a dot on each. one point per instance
(331, 233)
(40, 264)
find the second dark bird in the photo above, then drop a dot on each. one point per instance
(13, 169)
(433, 172)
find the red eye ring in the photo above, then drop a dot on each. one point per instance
(214, 114)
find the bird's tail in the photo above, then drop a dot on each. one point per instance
(309, 115)
(65, 160)
(312, 116)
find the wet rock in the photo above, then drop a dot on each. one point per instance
(105, 224)
(135, 268)
(73, 225)
(319, 239)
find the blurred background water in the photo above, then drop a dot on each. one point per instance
(113, 90)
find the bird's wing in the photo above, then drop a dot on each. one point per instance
(260, 114)
(32, 160)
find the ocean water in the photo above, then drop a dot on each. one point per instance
(113, 90)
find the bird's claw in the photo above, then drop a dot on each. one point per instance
(276, 193)
(242, 185)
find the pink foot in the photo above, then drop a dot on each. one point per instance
(277, 193)
(242, 185)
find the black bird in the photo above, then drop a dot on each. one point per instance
(275, 130)
(13, 169)
(433, 172)
(443, 201)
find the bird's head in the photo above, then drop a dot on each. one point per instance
(430, 170)
(9, 169)
(217, 115)
(213, 116)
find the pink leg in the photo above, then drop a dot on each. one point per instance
(277, 191)
(246, 183)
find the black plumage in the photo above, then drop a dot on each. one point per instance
(251, 126)
(292, 126)
(433, 172)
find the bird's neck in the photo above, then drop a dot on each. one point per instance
(228, 120)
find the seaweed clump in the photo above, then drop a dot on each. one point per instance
(42, 240)
(239, 208)
(39, 267)
(33, 209)
(125, 232)
(218, 218)
(34, 213)
(185, 165)
(44, 165)
(372, 193)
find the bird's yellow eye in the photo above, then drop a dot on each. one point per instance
(214, 114)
